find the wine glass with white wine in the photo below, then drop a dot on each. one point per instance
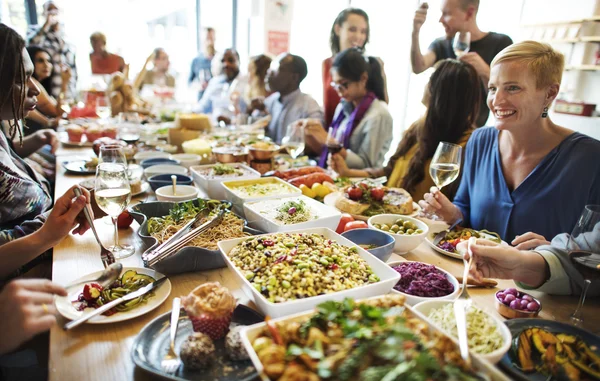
(293, 140)
(461, 43)
(445, 165)
(103, 108)
(112, 191)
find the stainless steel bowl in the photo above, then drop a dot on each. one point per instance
(230, 154)
(264, 154)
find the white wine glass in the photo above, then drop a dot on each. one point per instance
(293, 140)
(445, 164)
(112, 192)
(584, 252)
(461, 43)
(103, 107)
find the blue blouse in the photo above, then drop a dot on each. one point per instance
(549, 201)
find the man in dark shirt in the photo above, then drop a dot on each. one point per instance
(459, 16)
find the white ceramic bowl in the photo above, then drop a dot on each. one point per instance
(424, 308)
(149, 155)
(164, 168)
(404, 242)
(411, 300)
(184, 193)
(212, 184)
(187, 159)
(238, 200)
(388, 278)
(261, 215)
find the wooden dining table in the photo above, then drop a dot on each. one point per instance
(103, 351)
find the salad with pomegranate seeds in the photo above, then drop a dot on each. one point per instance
(94, 295)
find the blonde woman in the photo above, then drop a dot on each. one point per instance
(526, 174)
(257, 72)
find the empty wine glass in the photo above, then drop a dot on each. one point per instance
(112, 191)
(584, 253)
(129, 126)
(103, 107)
(293, 140)
(461, 43)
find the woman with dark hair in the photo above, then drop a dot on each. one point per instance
(48, 110)
(26, 306)
(452, 98)
(257, 72)
(362, 122)
(349, 30)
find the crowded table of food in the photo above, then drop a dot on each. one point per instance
(264, 233)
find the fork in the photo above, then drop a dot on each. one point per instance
(170, 363)
(460, 310)
(106, 255)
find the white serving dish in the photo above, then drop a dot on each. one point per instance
(250, 333)
(327, 217)
(212, 186)
(388, 278)
(183, 193)
(164, 169)
(187, 159)
(238, 200)
(404, 242)
(149, 155)
(494, 357)
(413, 299)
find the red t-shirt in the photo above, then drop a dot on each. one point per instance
(330, 95)
(106, 65)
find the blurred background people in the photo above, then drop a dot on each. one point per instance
(101, 60)
(159, 75)
(201, 65)
(257, 76)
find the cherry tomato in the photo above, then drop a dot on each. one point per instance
(124, 220)
(355, 225)
(377, 193)
(355, 193)
(343, 221)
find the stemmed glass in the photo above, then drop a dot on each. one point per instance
(112, 191)
(103, 108)
(584, 253)
(444, 167)
(129, 126)
(293, 140)
(461, 43)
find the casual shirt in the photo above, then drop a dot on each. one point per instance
(288, 109)
(201, 70)
(487, 48)
(217, 96)
(106, 64)
(548, 202)
(150, 78)
(371, 139)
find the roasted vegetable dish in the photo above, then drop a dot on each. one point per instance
(458, 235)
(562, 356)
(375, 339)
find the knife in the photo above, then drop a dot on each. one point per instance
(114, 303)
(440, 235)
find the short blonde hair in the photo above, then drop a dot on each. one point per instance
(542, 60)
(98, 36)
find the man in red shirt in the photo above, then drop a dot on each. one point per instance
(102, 61)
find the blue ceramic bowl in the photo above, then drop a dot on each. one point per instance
(383, 242)
(158, 160)
(158, 181)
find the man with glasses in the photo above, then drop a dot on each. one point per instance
(222, 97)
(287, 104)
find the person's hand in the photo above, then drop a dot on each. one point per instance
(437, 203)
(47, 136)
(420, 17)
(150, 58)
(65, 73)
(66, 215)
(26, 309)
(256, 104)
(52, 123)
(482, 68)
(224, 119)
(529, 241)
(338, 164)
(343, 153)
(315, 136)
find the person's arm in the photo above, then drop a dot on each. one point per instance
(481, 67)
(36, 141)
(420, 62)
(315, 136)
(41, 119)
(139, 79)
(338, 164)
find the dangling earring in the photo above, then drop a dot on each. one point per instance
(545, 112)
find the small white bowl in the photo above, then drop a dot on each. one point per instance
(164, 168)
(411, 300)
(424, 308)
(404, 242)
(149, 155)
(187, 159)
(184, 193)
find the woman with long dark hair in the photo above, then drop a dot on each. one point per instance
(349, 30)
(362, 122)
(452, 97)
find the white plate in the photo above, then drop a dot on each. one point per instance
(388, 278)
(66, 308)
(331, 199)
(258, 217)
(433, 232)
(165, 169)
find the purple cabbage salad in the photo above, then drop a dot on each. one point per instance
(421, 279)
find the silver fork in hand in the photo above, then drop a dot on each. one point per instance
(170, 363)
(461, 304)
(106, 255)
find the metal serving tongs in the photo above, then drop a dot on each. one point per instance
(173, 246)
(186, 228)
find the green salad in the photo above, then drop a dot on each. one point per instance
(294, 212)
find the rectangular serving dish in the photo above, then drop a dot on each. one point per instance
(212, 186)
(238, 201)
